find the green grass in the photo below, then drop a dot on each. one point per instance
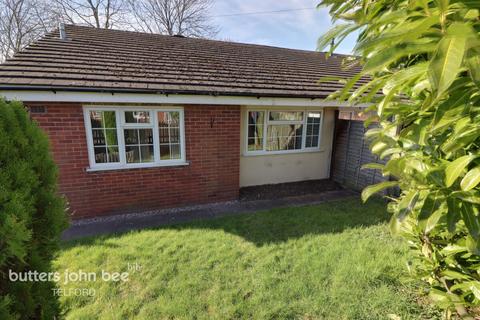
(332, 261)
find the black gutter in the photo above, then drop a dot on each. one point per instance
(162, 92)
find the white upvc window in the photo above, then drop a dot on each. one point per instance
(282, 131)
(134, 137)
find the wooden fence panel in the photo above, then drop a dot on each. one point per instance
(351, 153)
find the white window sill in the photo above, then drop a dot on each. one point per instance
(271, 153)
(139, 166)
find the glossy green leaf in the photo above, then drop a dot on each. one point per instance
(472, 221)
(430, 205)
(371, 190)
(373, 166)
(337, 31)
(378, 147)
(453, 249)
(452, 274)
(388, 152)
(406, 205)
(433, 220)
(409, 32)
(473, 64)
(396, 166)
(395, 225)
(405, 77)
(471, 179)
(473, 286)
(442, 5)
(455, 169)
(453, 213)
(447, 61)
(473, 245)
(472, 4)
(467, 196)
(385, 57)
(441, 298)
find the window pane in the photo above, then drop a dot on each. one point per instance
(314, 141)
(109, 119)
(314, 117)
(146, 153)
(255, 137)
(169, 119)
(139, 145)
(137, 117)
(308, 142)
(104, 136)
(131, 136)
(298, 142)
(170, 152)
(286, 116)
(146, 136)
(255, 144)
(106, 154)
(165, 152)
(103, 119)
(174, 119)
(101, 155)
(96, 119)
(111, 137)
(169, 135)
(98, 136)
(175, 151)
(313, 129)
(113, 154)
(255, 117)
(132, 154)
(255, 130)
(284, 137)
(164, 135)
(175, 135)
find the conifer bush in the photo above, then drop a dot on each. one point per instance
(32, 215)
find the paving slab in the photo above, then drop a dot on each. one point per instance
(156, 218)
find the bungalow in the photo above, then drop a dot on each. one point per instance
(141, 121)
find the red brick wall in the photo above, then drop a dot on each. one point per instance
(212, 176)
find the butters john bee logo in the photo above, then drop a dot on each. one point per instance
(75, 276)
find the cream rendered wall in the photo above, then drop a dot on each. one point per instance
(279, 168)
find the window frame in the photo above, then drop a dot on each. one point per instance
(267, 122)
(121, 125)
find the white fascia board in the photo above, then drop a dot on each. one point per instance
(103, 97)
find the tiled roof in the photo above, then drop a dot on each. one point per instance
(110, 60)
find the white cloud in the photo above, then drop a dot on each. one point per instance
(295, 29)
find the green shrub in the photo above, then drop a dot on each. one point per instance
(424, 56)
(32, 215)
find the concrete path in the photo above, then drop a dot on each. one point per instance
(156, 218)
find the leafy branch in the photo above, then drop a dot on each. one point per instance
(421, 60)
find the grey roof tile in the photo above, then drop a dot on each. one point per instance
(116, 60)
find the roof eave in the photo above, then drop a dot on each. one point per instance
(160, 92)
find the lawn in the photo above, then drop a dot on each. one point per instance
(336, 260)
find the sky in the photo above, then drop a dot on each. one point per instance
(298, 29)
